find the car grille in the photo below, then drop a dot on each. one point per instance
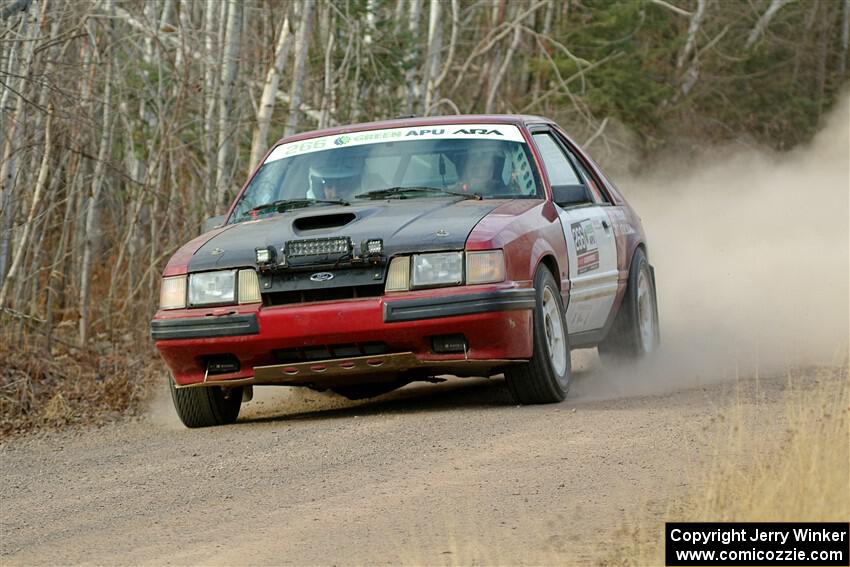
(324, 294)
(328, 352)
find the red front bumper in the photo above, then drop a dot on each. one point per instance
(496, 320)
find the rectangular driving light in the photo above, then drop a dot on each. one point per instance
(265, 256)
(373, 247)
(318, 247)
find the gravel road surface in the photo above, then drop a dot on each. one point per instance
(432, 474)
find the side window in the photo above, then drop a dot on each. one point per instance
(558, 167)
(588, 178)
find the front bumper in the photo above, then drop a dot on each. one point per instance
(496, 321)
(205, 327)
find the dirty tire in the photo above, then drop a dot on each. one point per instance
(204, 407)
(546, 377)
(635, 332)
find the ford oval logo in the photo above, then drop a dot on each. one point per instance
(321, 277)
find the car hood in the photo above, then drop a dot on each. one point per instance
(409, 225)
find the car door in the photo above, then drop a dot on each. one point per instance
(588, 231)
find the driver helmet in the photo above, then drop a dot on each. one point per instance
(480, 169)
(334, 181)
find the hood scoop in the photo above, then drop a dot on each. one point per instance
(319, 222)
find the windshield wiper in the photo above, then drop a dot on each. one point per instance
(282, 205)
(400, 192)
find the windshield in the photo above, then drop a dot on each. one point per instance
(489, 161)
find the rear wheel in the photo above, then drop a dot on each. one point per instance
(206, 406)
(635, 332)
(546, 377)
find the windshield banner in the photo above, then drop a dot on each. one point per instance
(506, 132)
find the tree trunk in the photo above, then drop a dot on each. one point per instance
(29, 28)
(225, 157)
(302, 45)
(259, 143)
(414, 16)
(764, 21)
(691, 39)
(91, 228)
(327, 106)
(490, 106)
(433, 101)
(688, 78)
(845, 37)
(432, 58)
(23, 242)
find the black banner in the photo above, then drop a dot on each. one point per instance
(751, 543)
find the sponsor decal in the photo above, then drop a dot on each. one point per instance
(622, 227)
(587, 251)
(505, 132)
(482, 131)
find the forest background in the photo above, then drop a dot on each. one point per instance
(124, 124)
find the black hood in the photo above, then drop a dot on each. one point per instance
(409, 225)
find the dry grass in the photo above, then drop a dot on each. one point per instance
(71, 386)
(796, 470)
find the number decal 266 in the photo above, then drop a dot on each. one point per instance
(305, 146)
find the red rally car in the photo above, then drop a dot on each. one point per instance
(361, 258)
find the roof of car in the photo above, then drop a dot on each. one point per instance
(515, 119)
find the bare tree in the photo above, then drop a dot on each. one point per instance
(91, 223)
(845, 36)
(28, 32)
(689, 76)
(35, 203)
(764, 21)
(227, 92)
(267, 99)
(150, 103)
(413, 88)
(432, 58)
(490, 106)
(302, 45)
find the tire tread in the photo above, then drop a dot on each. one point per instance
(530, 382)
(207, 406)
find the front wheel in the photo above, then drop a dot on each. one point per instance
(546, 377)
(205, 406)
(635, 332)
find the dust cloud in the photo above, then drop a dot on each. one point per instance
(750, 249)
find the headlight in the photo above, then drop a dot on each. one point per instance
(433, 270)
(212, 288)
(172, 293)
(485, 267)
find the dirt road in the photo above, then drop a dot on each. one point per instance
(432, 474)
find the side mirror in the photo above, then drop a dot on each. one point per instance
(570, 195)
(214, 222)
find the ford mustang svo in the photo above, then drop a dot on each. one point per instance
(361, 258)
